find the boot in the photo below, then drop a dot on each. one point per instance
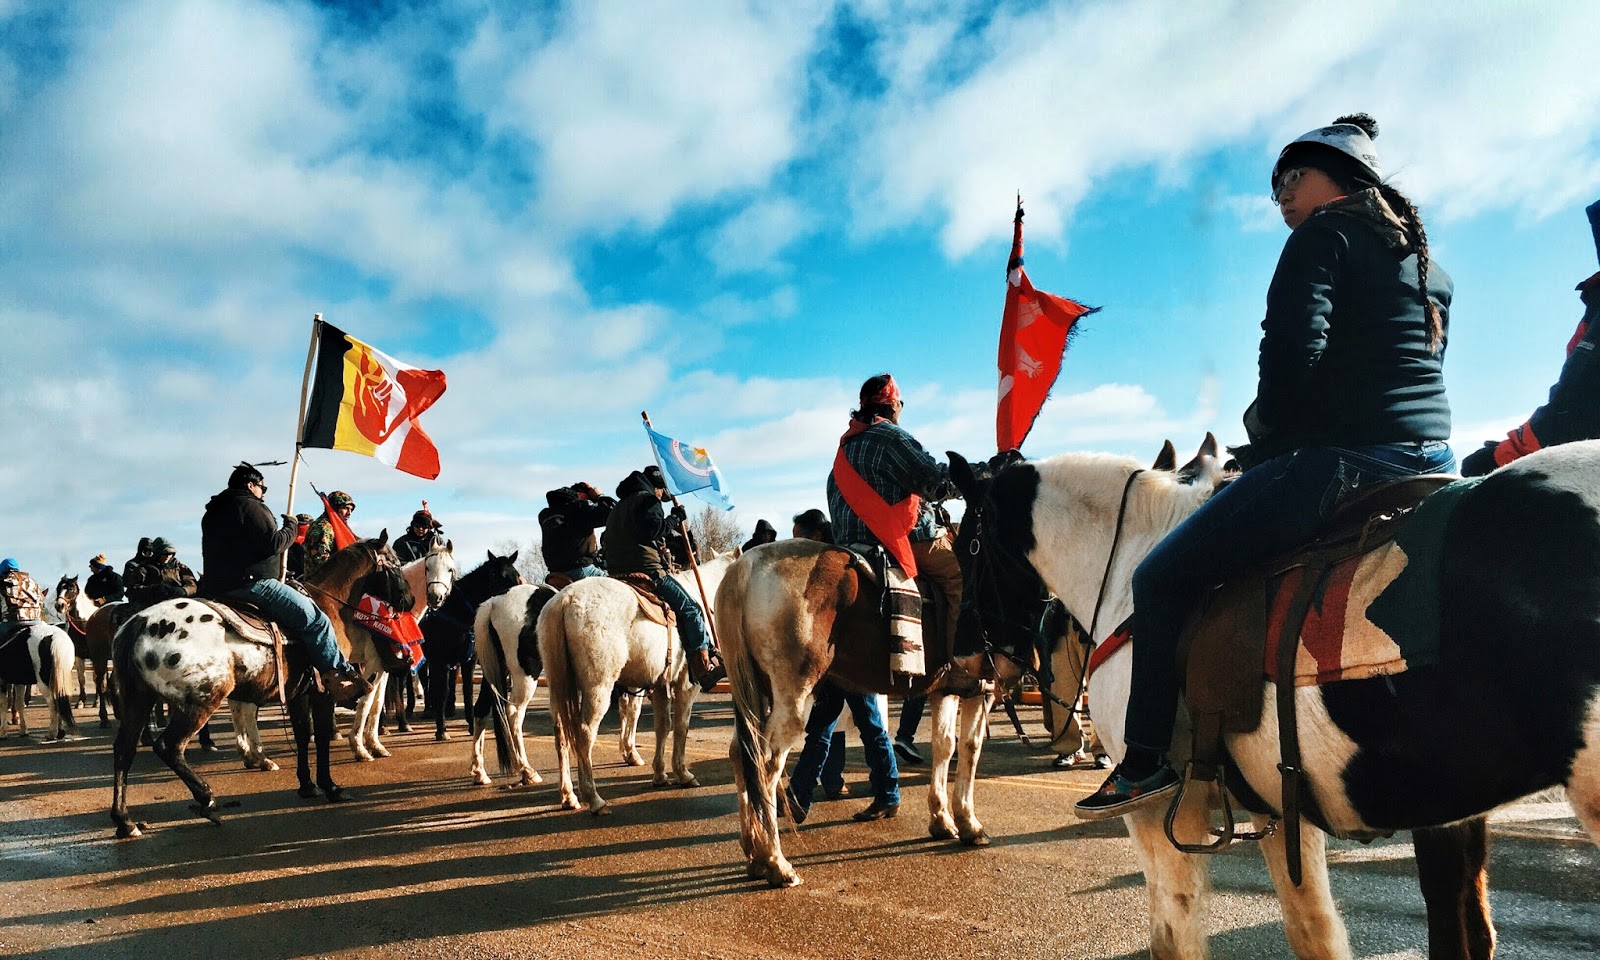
(345, 684)
(705, 668)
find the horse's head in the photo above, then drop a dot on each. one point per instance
(366, 567)
(496, 575)
(1002, 597)
(440, 570)
(66, 594)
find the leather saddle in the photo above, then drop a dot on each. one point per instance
(1229, 634)
(651, 605)
(240, 614)
(873, 560)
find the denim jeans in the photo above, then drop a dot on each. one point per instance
(691, 620)
(587, 570)
(301, 619)
(832, 776)
(1270, 510)
(881, 768)
(910, 718)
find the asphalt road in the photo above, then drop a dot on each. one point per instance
(424, 864)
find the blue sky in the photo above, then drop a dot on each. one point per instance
(729, 214)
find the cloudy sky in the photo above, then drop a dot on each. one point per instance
(726, 213)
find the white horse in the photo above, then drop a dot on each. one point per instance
(592, 636)
(506, 636)
(430, 578)
(40, 653)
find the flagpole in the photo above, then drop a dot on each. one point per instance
(688, 536)
(300, 427)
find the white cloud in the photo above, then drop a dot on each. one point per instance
(754, 238)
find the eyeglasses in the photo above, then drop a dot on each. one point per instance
(1287, 181)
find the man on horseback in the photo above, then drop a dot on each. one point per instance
(242, 549)
(319, 538)
(567, 529)
(1351, 393)
(635, 543)
(414, 543)
(163, 577)
(141, 554)
(104, 585)
(21, 598)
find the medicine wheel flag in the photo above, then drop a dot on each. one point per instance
(1033, 342)
(367, 402)
(688, 470)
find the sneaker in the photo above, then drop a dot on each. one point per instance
(908, 753)
(1119, 795)
(1066, 761)
(705, 668)
(878, 811)
(1102, 762)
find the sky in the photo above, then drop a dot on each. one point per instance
(726, 213)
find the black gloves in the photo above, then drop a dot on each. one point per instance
(1480, 461)
(679, 512)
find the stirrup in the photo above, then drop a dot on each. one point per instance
(1224, 835)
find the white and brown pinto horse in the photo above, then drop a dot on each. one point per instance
(592, 637)
(41, 653)
(1520, 631)
(429, 578)
(182, 652)
(789, 615)
(91, 629)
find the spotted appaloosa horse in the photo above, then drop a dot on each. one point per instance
(1520, 630)
(39, 653)
(790, 614)
(180, 651)
(592, 637)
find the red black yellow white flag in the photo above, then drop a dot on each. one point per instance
(367, 402)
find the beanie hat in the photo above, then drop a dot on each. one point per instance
(339, 498)
(7, 565)
(144, 544)
(652, 473)
(304, 519)
(161, 545)
(1343, 150)
(97, 561)
(422, 518)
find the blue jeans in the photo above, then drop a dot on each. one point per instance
(1270, 510)
(587, 570)
(881, 768)
(691, 620)
(302, 620)
(910, 718)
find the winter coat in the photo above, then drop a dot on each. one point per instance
(104, 587)
(21, 597)
(240, 542)
(155, 581)
(567, 526)
(409, 547)
(636, 531)
(319, 544)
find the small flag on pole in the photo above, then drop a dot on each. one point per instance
(1033, 342)
(367, 402)
(688, 470)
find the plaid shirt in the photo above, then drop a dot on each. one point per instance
(893, 463)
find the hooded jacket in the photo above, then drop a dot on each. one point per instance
(567, 526)
(240, 543)
(104, 587)
(635, 528)
(765, 533)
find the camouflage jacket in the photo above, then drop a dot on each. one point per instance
(319, 544)
(21, 597)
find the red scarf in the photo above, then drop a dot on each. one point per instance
(890, 523)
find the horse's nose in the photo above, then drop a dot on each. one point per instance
(436, 595)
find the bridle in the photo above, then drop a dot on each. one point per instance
(448, 581)
(380, 562)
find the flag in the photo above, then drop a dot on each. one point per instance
(343, 536)
(367, 402)
(1033, 342)
(688, 470)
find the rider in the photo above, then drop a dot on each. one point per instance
(160, 578)
(104, 585)
(319, 538)
(765, 533)
(140, 555)
(1351, 392)
(635, 543)
(881, 491)
(21, 598)
(813, 524)
(242, 549)
(567, 528)
(414, 543)
(1573, 410)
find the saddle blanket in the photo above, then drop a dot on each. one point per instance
(652, 605)
(1374, 614)
(903, 609)
(400, 628)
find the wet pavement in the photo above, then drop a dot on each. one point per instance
(424, 864)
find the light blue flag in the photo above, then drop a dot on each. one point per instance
(689, 470)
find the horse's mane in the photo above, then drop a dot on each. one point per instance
(346, 564)
(480, 571)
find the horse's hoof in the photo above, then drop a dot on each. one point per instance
(210, 812)
(604, 810)
(364, 758)
(660, 781)
(755, 871)
(977, 839)
(403, 728)
(939, 830)
(441, 737)
(338, 795)
(783, 879)
(267, 766)
(633, 760)
(688, 781)
(569, 803)
(129, 831)
(104, 723)
(307, 791)
(481, 779)
(379, 751)
(531, 777)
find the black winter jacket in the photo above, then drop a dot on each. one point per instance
(1344, 346)
(409, 546)
(240, 543)
(567, 526)
(104, 587)
(635, 529)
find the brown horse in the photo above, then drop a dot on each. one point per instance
(789, 615)
(91, 629)
(182, 651)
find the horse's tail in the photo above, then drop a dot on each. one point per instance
(560, 677)
(496, 678)
(56, 658)
(752, 703)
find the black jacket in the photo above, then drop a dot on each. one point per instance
(153, 582)
(409, 546)
(104, 587)
(1344, 346)
(567, 526)
(240, 543)
(635, 530)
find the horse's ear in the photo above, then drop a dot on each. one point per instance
(1204, 462)
(450, 546)
(962, 476)
(513, 558)
(1167, 459)
(383, 538)
(490, 553)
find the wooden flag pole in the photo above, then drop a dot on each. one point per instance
(299, 430)
(705, 605)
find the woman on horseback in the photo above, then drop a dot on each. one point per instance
(1351, 392)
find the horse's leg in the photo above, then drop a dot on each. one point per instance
(940, 824)
(521, 697)
(83, 680)
(358, 738)
(1453, 869)
(1310, 919)
(101, 671)
(300, 720)
(660, 717)
(1177, 886)
(682, 703)
(247, 737)
(628, 709)
(972, 724)
(592, 704)
(1583, 786)
(784, 725)
(136, 704)
(440, 686)
(185, 721)
(373, 726)
(479, 773)
(746, 811)
(468, 668)
(326, 728)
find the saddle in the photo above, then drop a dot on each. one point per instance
(1237, 626)
(240, 614)
(650, 604)
(913, 612)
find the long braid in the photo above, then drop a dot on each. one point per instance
(1419, 240)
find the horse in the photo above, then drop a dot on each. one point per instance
(39, 652)
(1517, 561)
(429, 578)
(91, 629)
(592, 636)
(447, 632)
(182, 651)
(790, 614)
